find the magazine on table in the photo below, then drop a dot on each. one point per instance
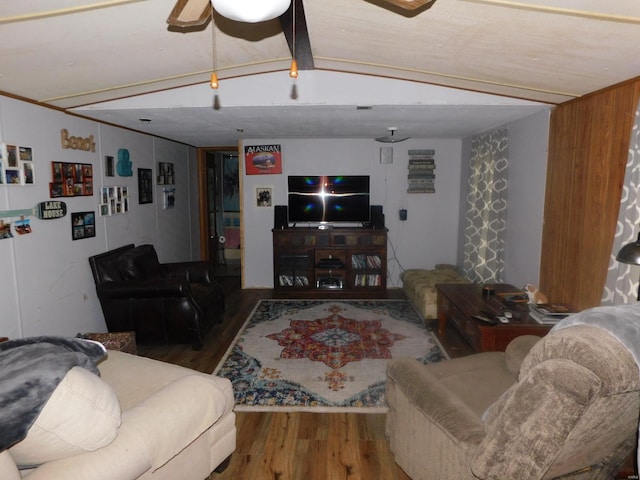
(549, 313)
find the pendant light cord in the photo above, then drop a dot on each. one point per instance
(214, 76)
(293, 71)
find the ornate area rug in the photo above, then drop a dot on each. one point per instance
(316, 355)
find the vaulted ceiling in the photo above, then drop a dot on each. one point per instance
(119, 61)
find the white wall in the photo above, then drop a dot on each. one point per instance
(46, 286)
(427, 237)
(528, 148)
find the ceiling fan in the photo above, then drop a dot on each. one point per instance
(390, 137)
(192, 13)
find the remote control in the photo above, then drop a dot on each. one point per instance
(484, 319)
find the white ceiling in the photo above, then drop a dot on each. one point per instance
(117, 61)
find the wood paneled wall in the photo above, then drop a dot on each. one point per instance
(588, 147)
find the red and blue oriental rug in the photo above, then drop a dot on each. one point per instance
(316, 355)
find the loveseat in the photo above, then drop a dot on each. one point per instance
(561, 407)
(161, 302)
(419, 285)
(140, 419)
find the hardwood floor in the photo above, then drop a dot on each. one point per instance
(291, 446)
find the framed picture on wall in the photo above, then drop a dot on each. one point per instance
(169, 198)
(165, 173)
(83, 225)
(109, 170)
(69, 179)
(145, 185)
(263, 159)
(264, 197)
(12, 156)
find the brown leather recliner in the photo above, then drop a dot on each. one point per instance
(162, 302)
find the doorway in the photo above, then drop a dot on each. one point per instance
(220, 205)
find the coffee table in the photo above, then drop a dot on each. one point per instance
(457, 303)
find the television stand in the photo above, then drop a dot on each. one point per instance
(346, 262)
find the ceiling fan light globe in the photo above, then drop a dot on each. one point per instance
(250, 11)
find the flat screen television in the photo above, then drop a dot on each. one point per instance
(329, 199)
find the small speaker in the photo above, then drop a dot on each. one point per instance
(377, 217)
(280, 217)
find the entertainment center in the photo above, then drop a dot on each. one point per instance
(341, 251)
(346, 262)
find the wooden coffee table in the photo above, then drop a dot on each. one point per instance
(457, 303)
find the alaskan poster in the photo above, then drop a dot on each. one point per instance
(263, 159)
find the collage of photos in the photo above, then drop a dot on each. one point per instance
(114, 200)
(83, 225)
(165, 173)
(71, 179)
(16, 165)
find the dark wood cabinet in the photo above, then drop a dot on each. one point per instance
(341, 262)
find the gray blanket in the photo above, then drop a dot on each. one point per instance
(620, 321)
(30, 370)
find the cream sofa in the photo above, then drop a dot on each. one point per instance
(147, 419)
(420, 286)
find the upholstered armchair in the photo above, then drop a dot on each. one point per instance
(565, 406)
(161, 302)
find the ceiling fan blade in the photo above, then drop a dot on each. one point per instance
(190, 13)
(410, 4)
(303, 53)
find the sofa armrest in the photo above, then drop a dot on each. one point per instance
(151, 434)
(517, 350)
(194, 272)
(176, 415)
(126, 457)
(536, 417)
(161, 288)
(435, 401)
(8, 468)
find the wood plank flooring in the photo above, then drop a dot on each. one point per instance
(291, 446)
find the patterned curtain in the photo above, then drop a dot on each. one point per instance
(485, 219)
(622, 279)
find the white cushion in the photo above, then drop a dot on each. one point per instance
(82, 414)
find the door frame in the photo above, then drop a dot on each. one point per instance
(203, 201)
